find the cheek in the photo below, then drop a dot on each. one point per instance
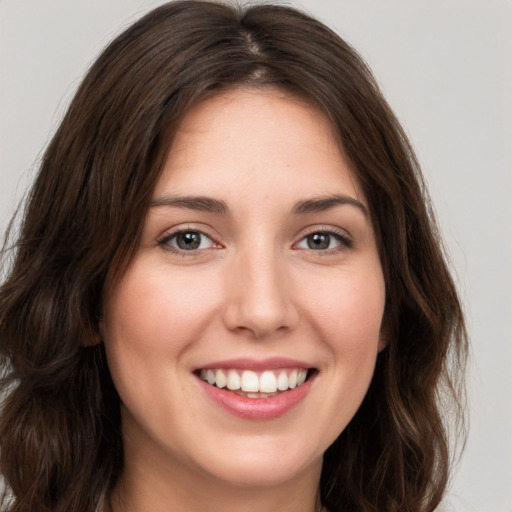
(154, 311)
(350, 310)
(349, 320)
(152, 318)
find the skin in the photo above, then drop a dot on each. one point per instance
(255, 289)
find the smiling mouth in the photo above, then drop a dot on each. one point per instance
(251, 384)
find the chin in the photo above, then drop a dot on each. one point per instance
(263, 462)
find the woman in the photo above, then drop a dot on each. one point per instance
(228, 291)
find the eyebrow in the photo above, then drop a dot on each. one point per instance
(321, 204)
(199, 203)
(218, 206)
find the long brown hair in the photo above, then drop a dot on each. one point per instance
(60, 443)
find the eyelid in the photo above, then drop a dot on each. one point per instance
(346, 241)
(171, 233)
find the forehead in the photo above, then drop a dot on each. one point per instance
(250, 138)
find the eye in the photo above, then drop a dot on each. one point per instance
(187, 240)
(324, 241)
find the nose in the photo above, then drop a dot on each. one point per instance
(259, 296)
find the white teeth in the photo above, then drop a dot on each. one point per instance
(292, 379)
(233, 381)
(268, 382)
(220, 379)
(247, 381)
(282, 381)
(210, 376)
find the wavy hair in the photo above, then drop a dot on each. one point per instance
(60, 440)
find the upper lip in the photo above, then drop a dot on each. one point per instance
(256, 365)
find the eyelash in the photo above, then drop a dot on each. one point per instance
(164, 242)
(345, 242)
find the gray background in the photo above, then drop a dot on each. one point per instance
(444, 65)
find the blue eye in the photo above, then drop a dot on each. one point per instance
(188, 240)
(323, 241)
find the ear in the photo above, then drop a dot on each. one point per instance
(383, 343)
(100, 330)
(93, 338)
(384, 337)
(94, 335)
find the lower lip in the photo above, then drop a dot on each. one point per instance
(257, 408)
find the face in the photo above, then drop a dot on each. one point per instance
(244, 333)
